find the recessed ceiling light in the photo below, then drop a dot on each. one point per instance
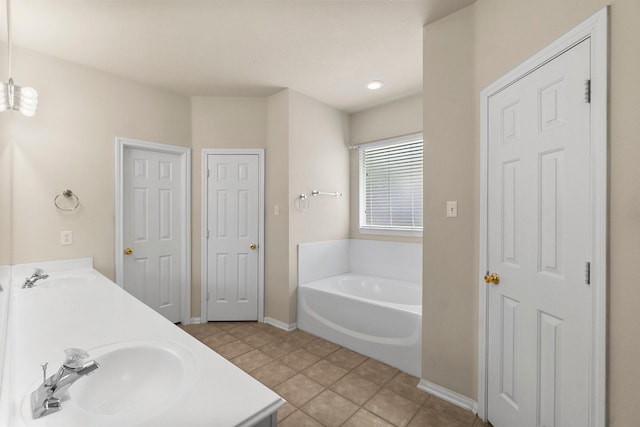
(375, 85)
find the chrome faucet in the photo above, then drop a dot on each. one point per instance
(29, 282)
(47, 398)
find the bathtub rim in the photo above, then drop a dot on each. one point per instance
(316, 285)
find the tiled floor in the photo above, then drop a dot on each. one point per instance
(325, 384)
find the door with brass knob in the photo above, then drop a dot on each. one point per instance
(154, 257)
(539, 190)
(492, 278)
(233, 252)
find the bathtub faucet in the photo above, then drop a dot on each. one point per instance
(47, 398)
(37, 275)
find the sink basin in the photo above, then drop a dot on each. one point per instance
(130, 379)
(136, 381)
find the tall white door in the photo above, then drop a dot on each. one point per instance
(151, 226)
(539, 243)
(233, 230)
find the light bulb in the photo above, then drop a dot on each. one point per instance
(375, 85)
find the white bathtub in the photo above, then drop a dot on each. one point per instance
(378, 317)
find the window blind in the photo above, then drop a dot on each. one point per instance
(391, 186)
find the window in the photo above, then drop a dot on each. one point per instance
(391, 186)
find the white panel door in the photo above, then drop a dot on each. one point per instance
(151, 224)
(539, 242)
(233, 228)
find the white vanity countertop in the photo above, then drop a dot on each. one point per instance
(43, 321)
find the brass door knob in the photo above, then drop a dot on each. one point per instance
(128, 251)
(492, 278)
(253, 246)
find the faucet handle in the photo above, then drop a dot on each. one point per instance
(44, 372)
(75, 358)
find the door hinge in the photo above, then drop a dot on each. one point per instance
(587, 273)
(587, 91)
(208, 173)
(207, 234)
(207, 295)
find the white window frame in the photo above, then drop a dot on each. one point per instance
(362, 228)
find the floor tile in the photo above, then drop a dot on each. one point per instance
(392, 407)
(298, 338)
(299, 419)
(298, 390)
(355, 388)
(325, 372)
(260, 338)
(251, 361)
(325, 384)
(346, 359)
(277, 349)
(234, 349)
(273, 373)
(435, 405)
(299, 359)
(364, 418)
(225, 326)
(200, 330)
(330, 409)
(285, 411)
(321, 347)
(434, 419)
(218, 340)
(375, 371)
(407, 386)
(243, 330)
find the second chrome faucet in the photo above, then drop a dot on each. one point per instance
(38, 274)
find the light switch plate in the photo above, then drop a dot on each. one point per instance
(452, 209)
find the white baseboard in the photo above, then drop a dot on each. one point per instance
(450, 396)
(279, 324)
(268, 320)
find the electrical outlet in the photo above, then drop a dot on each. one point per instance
(66, 238)
(452, 209)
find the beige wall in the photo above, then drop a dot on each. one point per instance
(319, 160)
(496, 36)
(450, 157)
(397, 118)
(219, 122)
(70, 144)
(277, 298)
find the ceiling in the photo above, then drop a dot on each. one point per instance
(328, 50)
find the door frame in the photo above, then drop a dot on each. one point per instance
(594, 28)
(260, 152)
(185, 211)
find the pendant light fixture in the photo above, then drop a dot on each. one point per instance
(12, 96)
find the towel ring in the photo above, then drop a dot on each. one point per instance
(68, 195)
(303, 202)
